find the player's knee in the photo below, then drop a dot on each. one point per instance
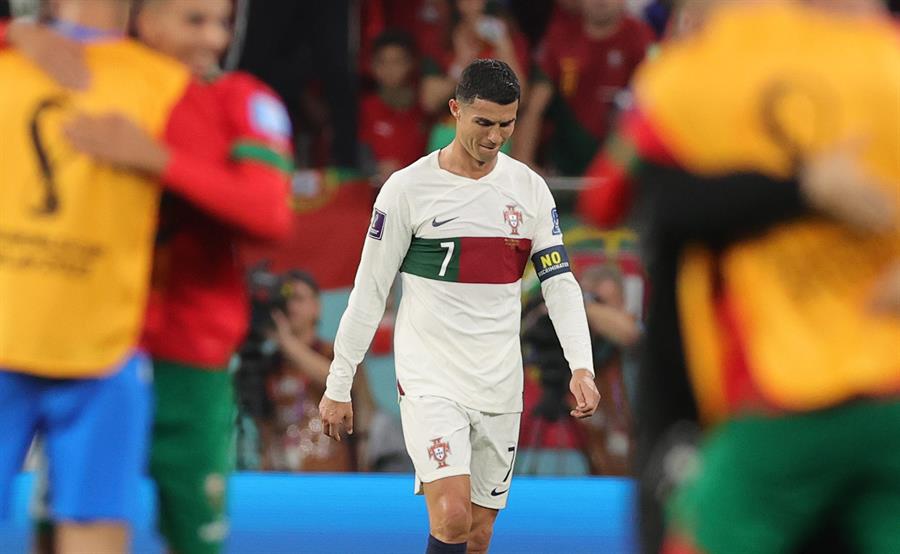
(480, 538)
(452, 521)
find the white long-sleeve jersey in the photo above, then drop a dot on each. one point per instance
(461, 246)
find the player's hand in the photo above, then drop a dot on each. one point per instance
(337, 417)
(835, 183)
(117, 140)
(587, 397)
(886, 296)
(59, 57)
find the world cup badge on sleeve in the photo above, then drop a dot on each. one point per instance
(376, 230)
(554, 217)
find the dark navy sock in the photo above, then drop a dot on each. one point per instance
(437, 547)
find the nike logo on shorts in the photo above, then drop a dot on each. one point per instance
(495, 492)
(436, 223)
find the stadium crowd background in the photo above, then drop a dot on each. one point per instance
(366, 84)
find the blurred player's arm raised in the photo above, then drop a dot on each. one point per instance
(722, 207)
(386, 245)
(565, 303)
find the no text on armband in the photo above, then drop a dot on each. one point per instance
(550, 262)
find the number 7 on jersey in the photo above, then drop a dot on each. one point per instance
(449, 246)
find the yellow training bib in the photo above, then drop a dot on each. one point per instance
(76, 236)
(760, 87)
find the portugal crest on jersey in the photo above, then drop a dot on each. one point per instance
(513, 218)
(438, 451)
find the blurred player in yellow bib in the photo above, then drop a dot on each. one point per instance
(76, 242)
(799, 376)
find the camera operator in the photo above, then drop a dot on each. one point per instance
(296, 386)
(614, 331)
(281, 378)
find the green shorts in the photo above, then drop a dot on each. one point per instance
(766, 483)
(192, 455)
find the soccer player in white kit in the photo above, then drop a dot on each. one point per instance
(460, 225)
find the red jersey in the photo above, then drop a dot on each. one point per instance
(589, 73)
(235, 176)
(392, 134)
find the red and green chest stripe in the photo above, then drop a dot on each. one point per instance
(481, 260)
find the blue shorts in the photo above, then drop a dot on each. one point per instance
(96, 434)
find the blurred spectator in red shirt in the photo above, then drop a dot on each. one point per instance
(565, 22)
(392, 125)
(587, 73)
(476, 31)
(421, 19)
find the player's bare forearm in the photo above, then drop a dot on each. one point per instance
(117, 140)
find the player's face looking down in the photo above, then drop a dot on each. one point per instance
(196, 32)
(482, 127)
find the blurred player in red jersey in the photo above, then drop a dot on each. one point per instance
(586, 72)
(198, 309)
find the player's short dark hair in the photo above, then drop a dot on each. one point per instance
(490, 80)
(394, 37)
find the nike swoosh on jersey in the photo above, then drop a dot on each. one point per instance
(436, 223)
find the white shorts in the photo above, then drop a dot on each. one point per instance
(445, 439)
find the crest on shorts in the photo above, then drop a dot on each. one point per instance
(438, 451)
(513, 218)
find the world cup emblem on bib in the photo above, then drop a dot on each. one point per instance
(438, 451)
(513, 218)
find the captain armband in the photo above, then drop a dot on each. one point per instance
(550, 262)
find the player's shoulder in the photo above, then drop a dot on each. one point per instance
(519, 172)
(421, 171)
(239, 84)
(417, 171)
(253, 108)
(150, 78)
(136, 57)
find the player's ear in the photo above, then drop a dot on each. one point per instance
(454, 108)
